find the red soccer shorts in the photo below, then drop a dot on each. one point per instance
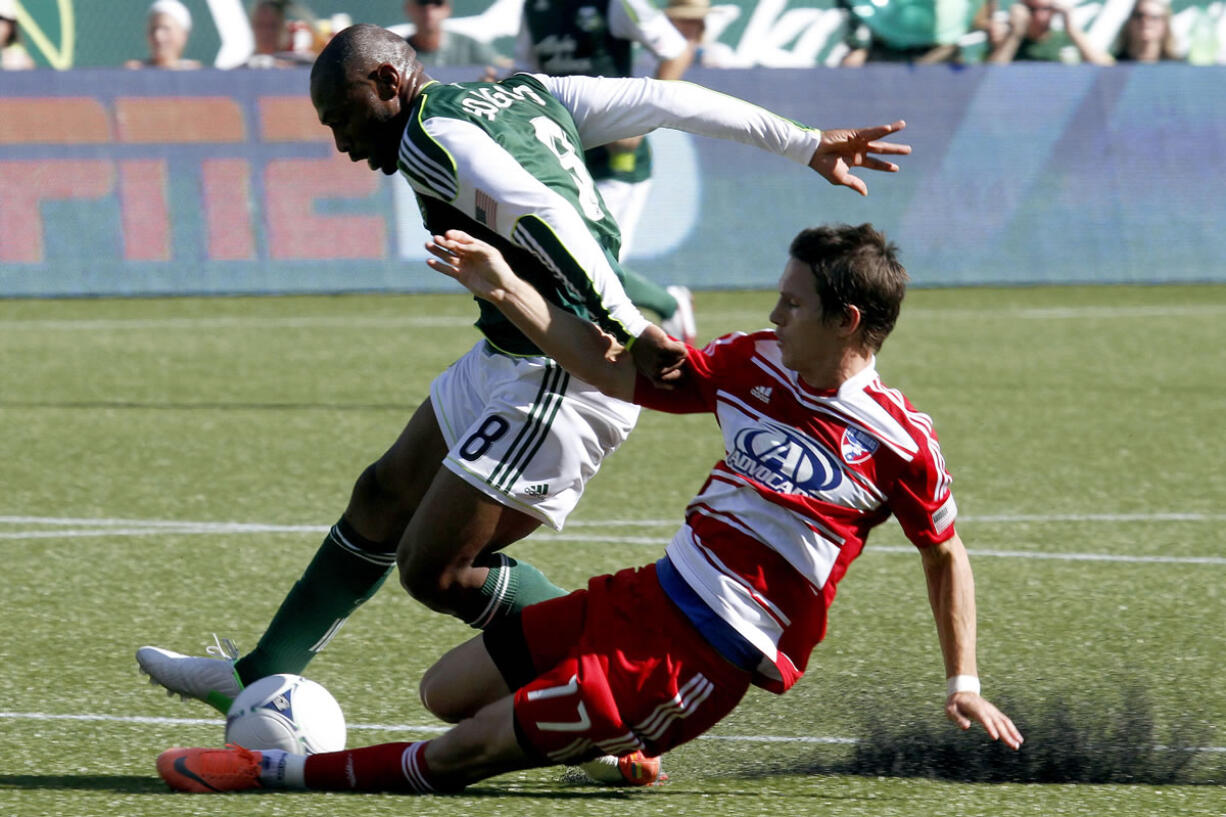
(619, 668)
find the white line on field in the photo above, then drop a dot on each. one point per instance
(360, 727)
(75, 527)
(233, 321)
(259, 527)
(430, 729)
(1069, 557)
(730, 317)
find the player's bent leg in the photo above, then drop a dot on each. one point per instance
(357, 555)
(462, 682)
(388, 493)
(524, 438)
(347, 569)
(479, 747)
(448, 559)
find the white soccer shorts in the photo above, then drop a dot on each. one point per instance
(524, 432)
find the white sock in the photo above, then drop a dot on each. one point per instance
(281, 770)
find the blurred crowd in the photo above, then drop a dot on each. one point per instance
(286, 33)
(923, 31)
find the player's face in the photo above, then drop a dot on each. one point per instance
(805, 339)
(364, 126)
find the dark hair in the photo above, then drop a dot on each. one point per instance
(855, 266)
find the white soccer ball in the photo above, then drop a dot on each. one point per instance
(286, 712)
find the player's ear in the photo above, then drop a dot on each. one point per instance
(849, 324)
(387, 81)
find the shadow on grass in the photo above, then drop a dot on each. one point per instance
(117, 783)
(1086, 742)
(146, 784)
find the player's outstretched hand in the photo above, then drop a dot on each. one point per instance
(965, 708)
(474, 263)
(844, 148)
(658, 356)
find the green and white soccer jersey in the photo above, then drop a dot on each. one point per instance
(504, 161)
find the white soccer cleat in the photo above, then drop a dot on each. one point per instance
(212, 680)
(682, 325)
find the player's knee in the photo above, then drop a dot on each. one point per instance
(427, 582)
(435, 692)
(379, 486)
(424, 586)
(378, 505)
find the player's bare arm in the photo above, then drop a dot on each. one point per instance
(844, 148)
(579, 345)
(951, 592)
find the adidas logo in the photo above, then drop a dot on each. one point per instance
(537, 490)
(763, 393)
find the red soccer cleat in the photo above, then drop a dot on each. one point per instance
(640, 770)
(210, 771)
(634, 769)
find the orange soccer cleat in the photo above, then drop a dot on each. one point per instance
(634, 769)
(209, 771)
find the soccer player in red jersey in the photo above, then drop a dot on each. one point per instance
(818, 452)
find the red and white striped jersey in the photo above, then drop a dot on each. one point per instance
(805, 476)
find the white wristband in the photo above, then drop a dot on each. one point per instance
(961, 683)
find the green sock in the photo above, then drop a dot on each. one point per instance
(346, 571)
(647, 294)
(510, 587)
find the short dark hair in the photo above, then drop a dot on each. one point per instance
(855, 266)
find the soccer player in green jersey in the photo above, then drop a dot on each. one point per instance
(507, 439)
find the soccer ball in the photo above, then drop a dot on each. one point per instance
(286, 712)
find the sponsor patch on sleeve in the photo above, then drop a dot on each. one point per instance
(945, 515)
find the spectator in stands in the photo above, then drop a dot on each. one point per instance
(690, 18)
(275, 24)
(904, 31)
(13, 55)
(1029, 34)
(169, 24)
(1146, 37)
(436, 46)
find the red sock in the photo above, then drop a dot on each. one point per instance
(390, 767)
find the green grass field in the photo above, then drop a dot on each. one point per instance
(167, 468)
